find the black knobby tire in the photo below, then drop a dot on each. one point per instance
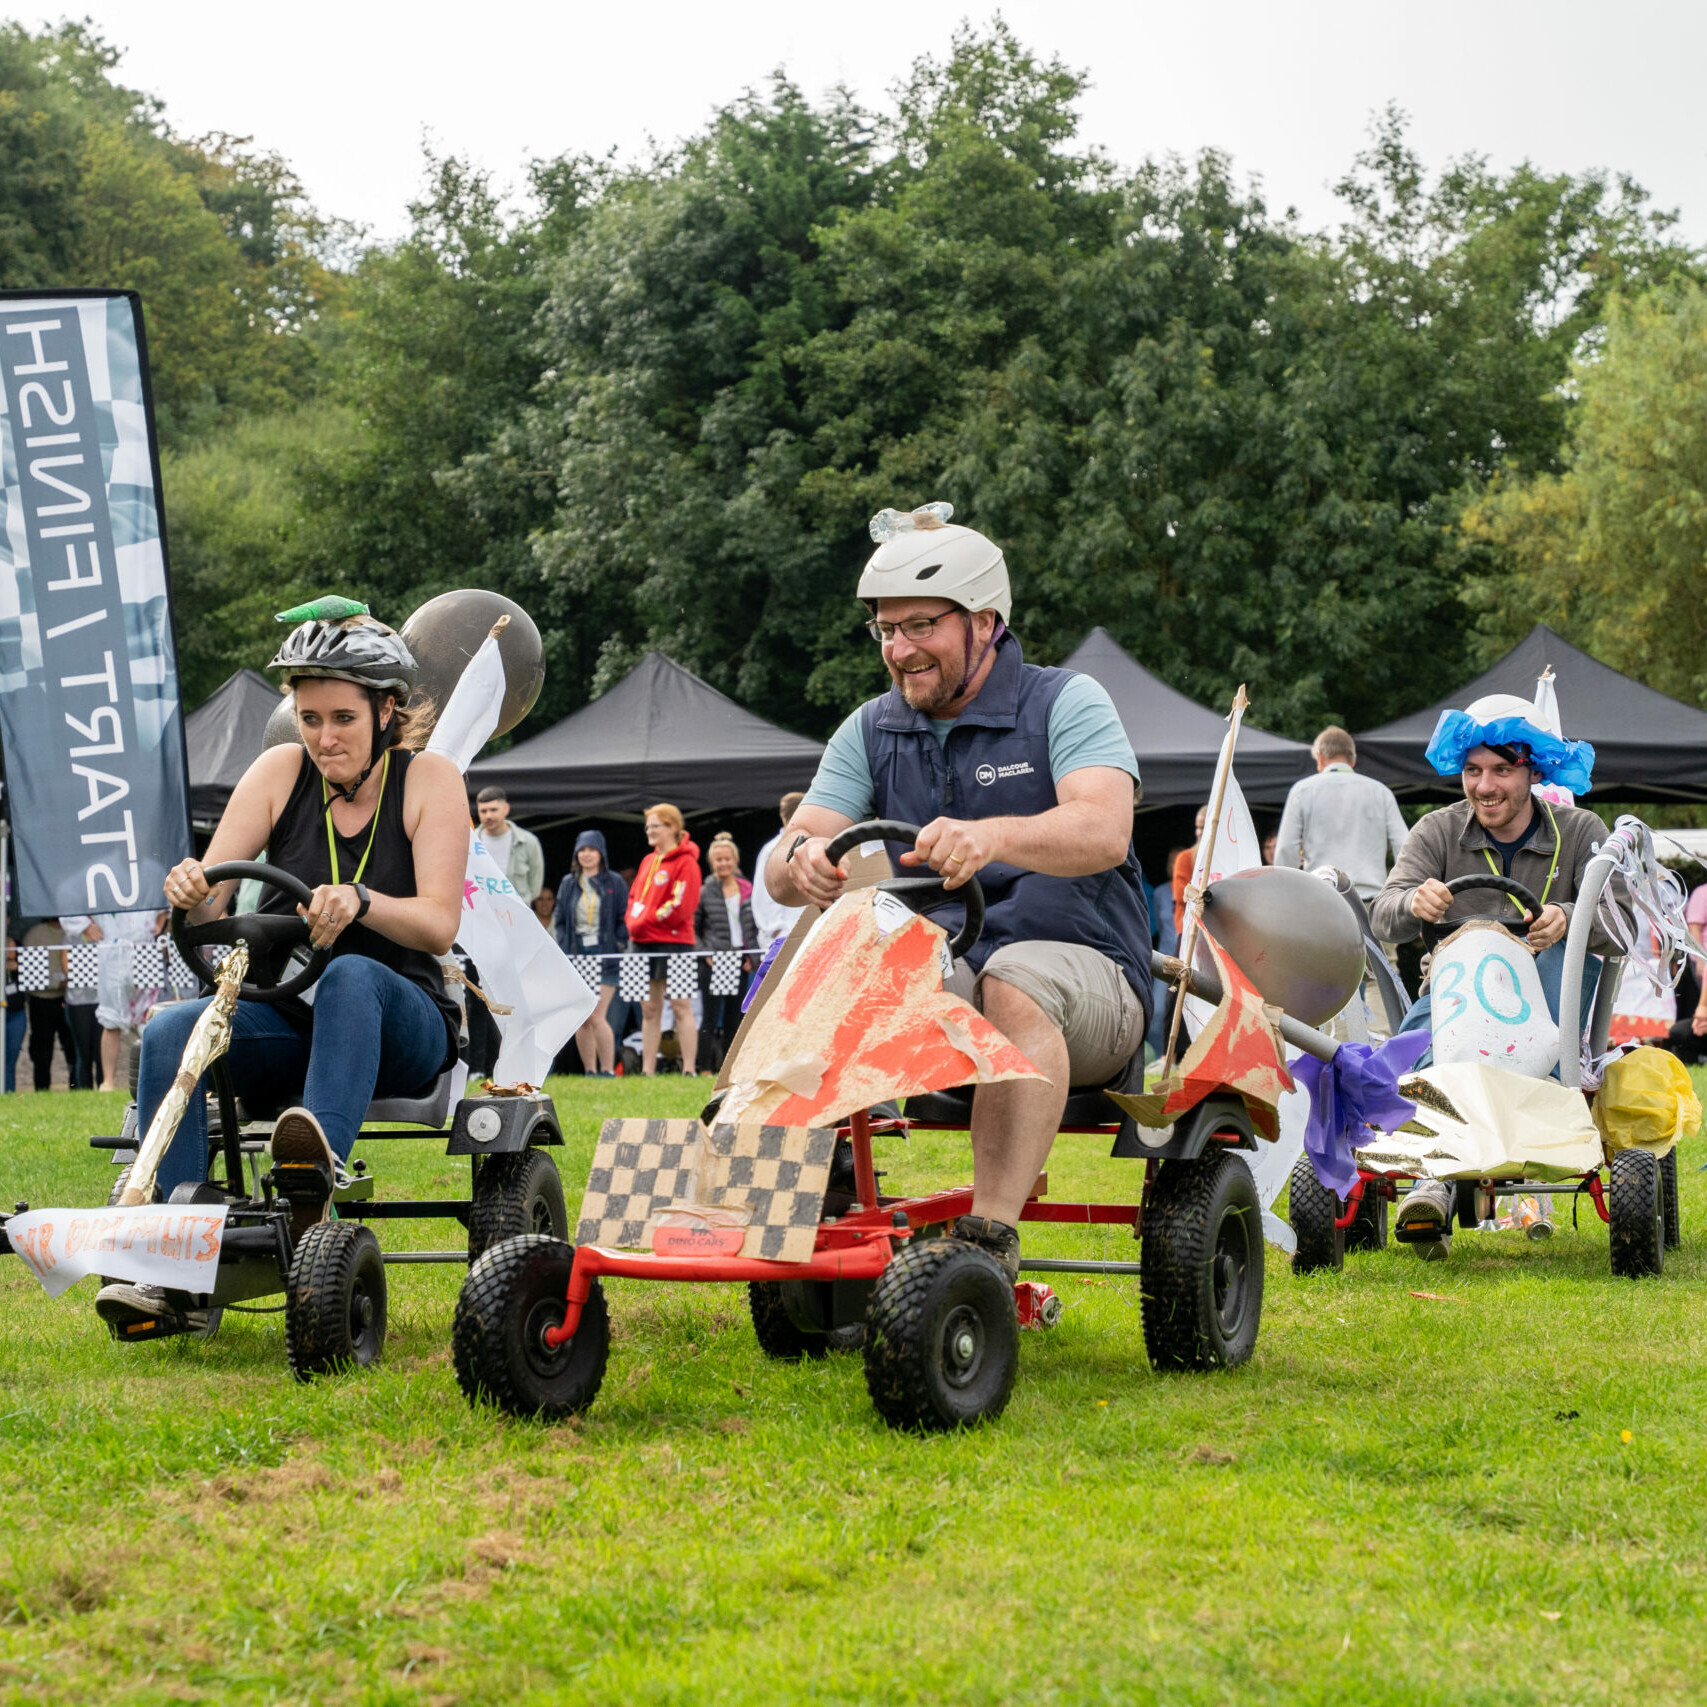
(777, 1333)
(1368, 1230)
(516, 1195)
(1312, 1210)
(1464, 1205)
(942, 1338)
(121, 1181)
(335, 1300)
(1635, 1203)
(1201, 1264)
(1673, 1209)
(512, 1295)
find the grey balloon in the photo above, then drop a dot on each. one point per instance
(446, 632)
(281, 726)
(1292, 935)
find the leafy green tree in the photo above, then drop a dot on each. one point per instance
(1613, 549)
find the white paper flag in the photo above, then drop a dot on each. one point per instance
(158, 1244)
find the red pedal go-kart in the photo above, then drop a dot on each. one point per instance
(940, 1332)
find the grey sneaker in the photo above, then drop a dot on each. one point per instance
(299, 1143)
(996, 1237)
(138, 1312)
(1425, 1220)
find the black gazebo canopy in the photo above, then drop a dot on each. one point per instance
(1177, 741)
(1646, 747)
(659, 734)
(223, 735)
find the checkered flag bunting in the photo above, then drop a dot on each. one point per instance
(778, 1174)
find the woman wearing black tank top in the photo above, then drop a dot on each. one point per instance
(380, 834)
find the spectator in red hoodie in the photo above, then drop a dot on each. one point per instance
(660, 914)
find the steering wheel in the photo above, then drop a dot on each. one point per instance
(1525, 898)
(922, 894)
(269, 937)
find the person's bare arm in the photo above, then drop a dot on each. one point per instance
(244, 828)
(808, 879)
(1087, 832)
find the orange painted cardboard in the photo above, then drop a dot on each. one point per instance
(860, 1016)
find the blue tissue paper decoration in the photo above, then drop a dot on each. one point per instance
(1570, 764)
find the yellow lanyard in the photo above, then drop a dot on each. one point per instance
(1552, 870)
(373, 828)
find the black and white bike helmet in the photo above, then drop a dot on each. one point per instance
(338, 640)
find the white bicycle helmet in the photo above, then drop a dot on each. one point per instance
(921, 555)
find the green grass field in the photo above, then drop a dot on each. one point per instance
(1489, 1495)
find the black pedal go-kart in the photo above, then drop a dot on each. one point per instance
(332, 1275)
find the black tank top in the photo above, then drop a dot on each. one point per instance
(298, 845)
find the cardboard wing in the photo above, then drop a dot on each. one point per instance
(1239, 1049)
(859, 1016)
(1474, 1121)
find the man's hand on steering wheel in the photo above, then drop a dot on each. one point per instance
(1430, 901)
(954, 848)
(814, 876)
(331, 910)
(1549, 928)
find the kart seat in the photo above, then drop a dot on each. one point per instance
(430, 1109)
(952, 1109)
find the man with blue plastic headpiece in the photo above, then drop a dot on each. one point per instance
(1500, 749)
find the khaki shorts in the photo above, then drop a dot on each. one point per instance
(1083, 994)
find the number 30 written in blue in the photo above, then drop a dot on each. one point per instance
(1452, 976)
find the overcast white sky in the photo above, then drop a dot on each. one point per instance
(347, 91)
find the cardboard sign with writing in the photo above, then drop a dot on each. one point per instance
(158, 1244)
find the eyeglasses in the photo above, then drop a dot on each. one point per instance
(915, 628)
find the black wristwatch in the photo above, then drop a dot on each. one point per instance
(363, 900)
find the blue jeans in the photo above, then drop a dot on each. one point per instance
(371, 1032)
(17, 1018)
(1550, 969)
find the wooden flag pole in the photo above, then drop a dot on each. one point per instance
(1200, 868)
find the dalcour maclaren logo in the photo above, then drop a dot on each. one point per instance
(987, 774)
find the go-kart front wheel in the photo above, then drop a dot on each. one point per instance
(516, 1194)
(942, 1338)
(1635, 1207)
(335, 1300)
(517, 1290)
(1311, 1212)
(1201, 1265)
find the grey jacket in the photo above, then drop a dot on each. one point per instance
(1340, 818)
(1449, 843)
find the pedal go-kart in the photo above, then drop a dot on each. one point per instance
(856, 1018)
(1493, 1133)
(332, 1277)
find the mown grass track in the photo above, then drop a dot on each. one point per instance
(1486, 1496)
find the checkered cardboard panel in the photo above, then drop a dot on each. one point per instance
(643, 1167)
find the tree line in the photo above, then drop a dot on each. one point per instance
(657, 404)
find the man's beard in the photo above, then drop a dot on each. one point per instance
(929, 700)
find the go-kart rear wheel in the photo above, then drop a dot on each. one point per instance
(517, 1290)
(1311, 1211)
(1201, 1265)
(514, 1195)
(1465, 1207)
(775, 1329)
(942, 1339)
(1635, 1204)
(1368, 1230)
(1674, 1213)
(335, 1300)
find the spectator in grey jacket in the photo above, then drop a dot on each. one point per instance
(516, 850)
(1337, 817)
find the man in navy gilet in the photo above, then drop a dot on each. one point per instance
(1019, 774)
